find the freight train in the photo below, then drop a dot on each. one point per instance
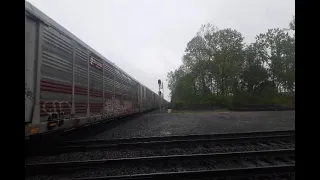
(68, 84)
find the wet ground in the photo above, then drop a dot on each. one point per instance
(164, 124)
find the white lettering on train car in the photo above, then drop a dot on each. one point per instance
(55, 106)
(112, 105)
(27, 93)
(96, 63)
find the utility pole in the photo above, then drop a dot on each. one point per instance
(159, 83)
(163, 94)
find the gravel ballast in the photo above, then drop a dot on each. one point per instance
(169, 166)
(282, 176)
(158, 151)
(164, 124)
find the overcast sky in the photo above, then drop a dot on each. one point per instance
(147, 38)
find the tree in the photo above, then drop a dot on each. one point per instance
(292, 24)
(218, 65)
(226, 54)
(195, 61)
(277, 50)
(254, 73)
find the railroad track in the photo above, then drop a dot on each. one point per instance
(235, 161)
(268, 159)
(176, 141)
(265, 173)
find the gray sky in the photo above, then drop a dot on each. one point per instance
(147, 38)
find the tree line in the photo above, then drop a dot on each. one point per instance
(220, 70)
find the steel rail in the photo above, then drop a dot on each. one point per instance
(58, 167)
(234, 172)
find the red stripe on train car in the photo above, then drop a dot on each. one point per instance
(83, 109)
(81, 106)
(55, 106)
(108, 94)
(81, 93)
(100, 106)
(49, 103)
(57, 84)
(96, 95)
(96, 107)
(95, 110)
(80, 90)
(55, 87)
(96, 104)
(95, 90)
(56, 90)
(46, 113)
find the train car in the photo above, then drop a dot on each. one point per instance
(68, 84)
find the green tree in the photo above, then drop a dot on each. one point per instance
(254, 73)
(292, 24)
(226, 54)
(277, 50)
(217, 66)
(195, 62)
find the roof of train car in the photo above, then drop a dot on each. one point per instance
(46, 19)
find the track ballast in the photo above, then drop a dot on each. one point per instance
(274, 153)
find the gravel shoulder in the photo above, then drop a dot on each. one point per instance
(164, 124)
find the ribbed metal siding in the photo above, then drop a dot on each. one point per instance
(108, 85)
(108, 78)
(57, 56)
(56, 74)
(81, 80)
(31, 49)
(108, 89)
(135, 92)
(81, 66)
(96, 85)
(119, 82)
